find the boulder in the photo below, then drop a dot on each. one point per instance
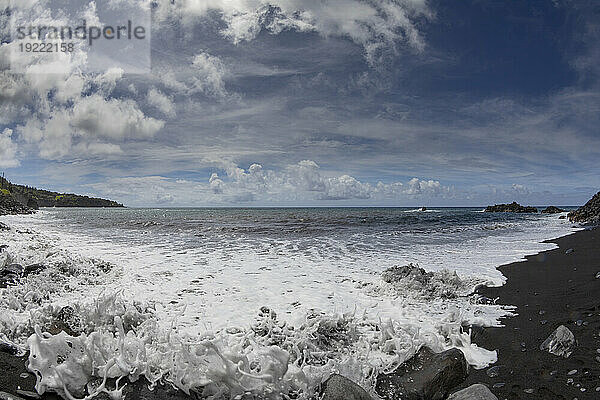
(560, 343)
(66, 320)
(552, 210)
(10, 274)
(338, 387)
(473, 392)
(8, 347)
(426, 376)
(589, 213)
(13, 272)
(512, 207)
(414, 272)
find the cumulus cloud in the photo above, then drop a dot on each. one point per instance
(305, 181)
(209, 74)
(8, 150)
(59, 109)
(112, 118)
(301, 183)
(161, 102)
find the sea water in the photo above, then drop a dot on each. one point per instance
(263, 301)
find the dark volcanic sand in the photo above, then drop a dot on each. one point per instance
(561, 289)
(553, 286)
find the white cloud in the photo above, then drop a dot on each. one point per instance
(112, 118)
(8, 150)
(209, 74)
(377, 25)
(161, 102)
(300, 183)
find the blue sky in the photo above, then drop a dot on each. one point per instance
(346, 102)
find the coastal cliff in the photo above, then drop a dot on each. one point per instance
(588, 213)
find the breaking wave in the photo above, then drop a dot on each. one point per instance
(81, 335)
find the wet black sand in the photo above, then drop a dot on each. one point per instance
(550, 289)
(553, 288)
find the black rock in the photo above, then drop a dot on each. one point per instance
(10, 274)
(32, 269)
(562, 217)
(552, 210)
(66, 320)
(13, 272)
(338, 387)
(4, 227)
(396, 274)
(8, 348)
(426, 376)
(512, 207)
(9, 205)
(3, 247)
(473, 392)
(589, 213)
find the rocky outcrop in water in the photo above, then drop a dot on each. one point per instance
(512, 207)
(11, 273)
(552, 210)
(338, 387)
(397, 273)
(589, 213)
(426, 376)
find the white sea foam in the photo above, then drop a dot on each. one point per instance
(189, 316)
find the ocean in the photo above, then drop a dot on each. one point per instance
(256, 300)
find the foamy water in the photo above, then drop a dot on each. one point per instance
(203, 275)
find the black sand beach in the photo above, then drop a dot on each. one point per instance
(557, 287)
(553, 288)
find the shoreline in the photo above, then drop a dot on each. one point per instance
(552, 288)
(489, 338)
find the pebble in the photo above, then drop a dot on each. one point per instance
(24, 375)
(501, 384)
(543, 322)
(572, 372)
(598, 359)
(493, 371)
(598, 275)
(569, 251)
(542, 312)
(569, 381)
(529, 391)
(579, 322)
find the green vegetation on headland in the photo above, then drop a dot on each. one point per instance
(18, 199)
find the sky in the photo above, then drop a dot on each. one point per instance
(321, 103)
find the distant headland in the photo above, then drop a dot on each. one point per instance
(19, 199)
